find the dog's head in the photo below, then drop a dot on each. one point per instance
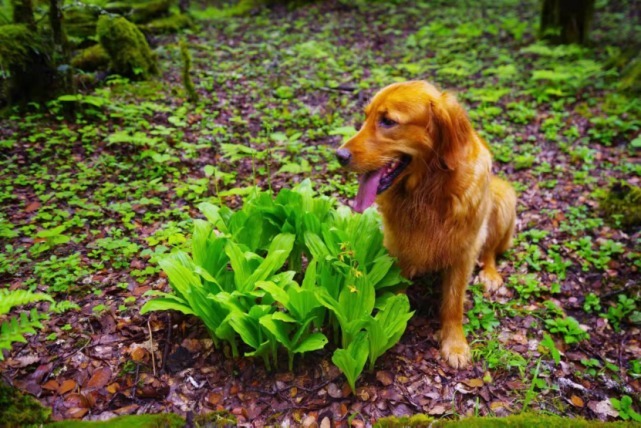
(410, 128)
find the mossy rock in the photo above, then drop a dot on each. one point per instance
(91, 59)
(19, 410)
(527, 420)
(128, 50)
(622, 202)
(168, 25)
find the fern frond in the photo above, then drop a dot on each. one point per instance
(14, 329)
(11, 298)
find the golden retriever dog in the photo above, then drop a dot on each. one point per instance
(419, 158)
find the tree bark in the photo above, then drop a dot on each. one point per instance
(23, 12)
(566, 21)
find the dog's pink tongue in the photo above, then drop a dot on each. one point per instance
(368, 184)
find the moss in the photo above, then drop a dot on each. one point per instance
(91, 59)
(140, 12)
(17, 44)
(186, 72)
(166, 420)
(145, 12)
(631, 75)
(170, 24)
(405, 421)
(25, 66)
(127, 48)
(80, 22)
(527, 420)
(622, 203)
(215, 419)
(18, 409)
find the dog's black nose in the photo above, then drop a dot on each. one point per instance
(344, 156)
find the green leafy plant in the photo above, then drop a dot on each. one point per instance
(344, 286)
(592, 303)
(624, 407)
(352, 360)
(548, 344)
(14, 328)
(567, 327)
(618, 313)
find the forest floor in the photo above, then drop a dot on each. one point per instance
(89, 204)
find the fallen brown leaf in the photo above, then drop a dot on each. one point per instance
(576, 401)
(384, 377)
(51, 385)
(214, 398)
(474, 383)
(77, 412)
(439, 409)
(100, 378)
(66, 386)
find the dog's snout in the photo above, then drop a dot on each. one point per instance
(343, 156)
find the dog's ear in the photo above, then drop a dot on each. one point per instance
(450, 129)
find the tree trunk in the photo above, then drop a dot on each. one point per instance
(566, 21)
(61, 47)
(23, 12)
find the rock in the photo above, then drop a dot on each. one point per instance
(91, 59)
(129, 53)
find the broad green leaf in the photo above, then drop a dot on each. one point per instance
(279, 329)
(212, 214)
(279, 250)
(239, 264)
(280, 295)
(246, 327)
(386, 329)
(351, 361)
(309, 281)
(316, 246)
(202, 230)
(379, 269)
(165, 304)
(313, 342)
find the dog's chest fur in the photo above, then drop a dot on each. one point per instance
(425, 231)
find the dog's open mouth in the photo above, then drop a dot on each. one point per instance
(376, 182)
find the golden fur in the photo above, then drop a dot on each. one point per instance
(445, 210)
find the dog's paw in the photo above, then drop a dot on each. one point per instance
(456, 353)
(491, 280)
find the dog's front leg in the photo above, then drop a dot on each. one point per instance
(454, 347)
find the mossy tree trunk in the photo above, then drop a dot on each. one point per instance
(23, 12)
(567, 21)
(61, 46)
(32, 75)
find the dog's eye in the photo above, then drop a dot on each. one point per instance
(386, 122)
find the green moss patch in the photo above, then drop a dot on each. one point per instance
(168, 25)
(527, 420)
(127, 48)
(166, 420)
(18, 44)
(91, 59)
(623, 203)
(19, 410)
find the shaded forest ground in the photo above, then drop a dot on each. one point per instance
(90, 203)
